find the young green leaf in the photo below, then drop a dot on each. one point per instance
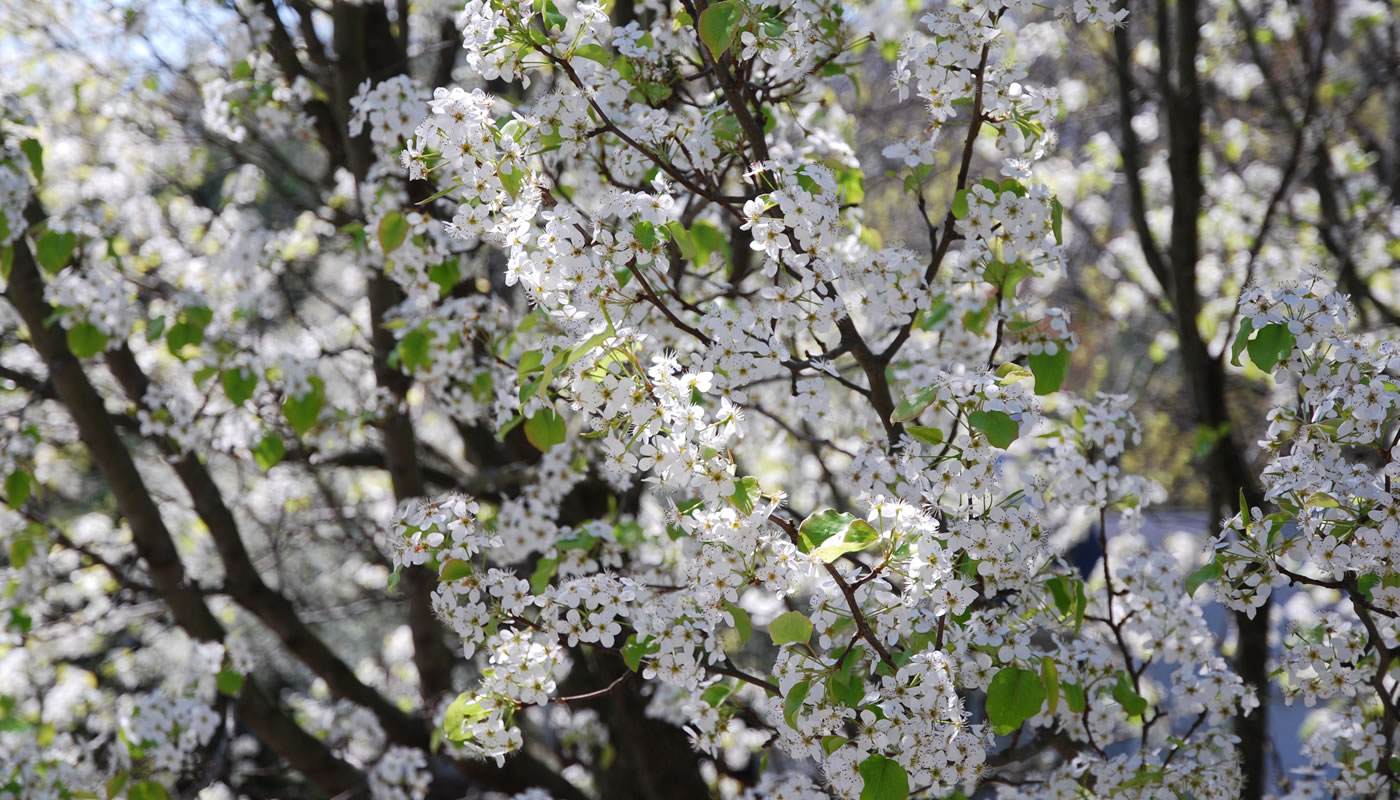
(1014, 696)
(929, 436)
(454, 569)
(544, 572)
(1049, 369)
(829, 534)
(792, 626)
(303, 410)
(18, 485)
(393, 230)
(1001, 430)
(229, 682)
(1241, 340)
(1270, 345)
(634, 650)
(239, 384)
(1211, 571)
(1075, 698)
(914, 405)
(34, 151)
(1050, 677)
(793, 702)
(960, 209)
(54, 249)
(85, 340)
(269, 451)
(884, 779)
(1123, 692)
(742, 623)
(719, 24)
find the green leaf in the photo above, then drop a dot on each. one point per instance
(229, 682)
(1241, 340)
(530, 362)
(454, 569)
(146, 790)
(24, 546)
(1060, 592)
(1123, 692)
(85, 340)
(719, 24)
(413, 349)
(1210, 572)
(445, 275)
(1367, 583)
(914, 405)
(1057, 220)
(1014, 696)
(303, 411)
(269, 451)
(1270, 345)
(793, 702)
(792, 626)
(829, 534)
(18, 485)
(34, 151)
(238, 384)
(742, 623)
(884, 779)
(198, 316)
(393, 229)
(1081, 604)
(594, 52)
(203, 374)
(1074, 696)
(1050, 677)
(645, 234)
(960, 209)
(999, 427)
(512, 181)
(155, 328)
(746, 493)
(1049, 370)
(464, 709)
(579, 541)
(54, 249)
(929, 436)
(634, 650)
(831, 744)
(115, 784)
(182, 334)
(708, 241)
(716, 694)
(684, 241)
(1141, 779)
(545, 429)
(553, 20)
(19, 620)
(1006, 275)
(544, 572)
(847, 685)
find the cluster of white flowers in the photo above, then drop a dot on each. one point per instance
(400, 774)
(438, 531)
(888, 644)
(390, 108)
(95, 295)
(1336, 529)
(812, 487)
